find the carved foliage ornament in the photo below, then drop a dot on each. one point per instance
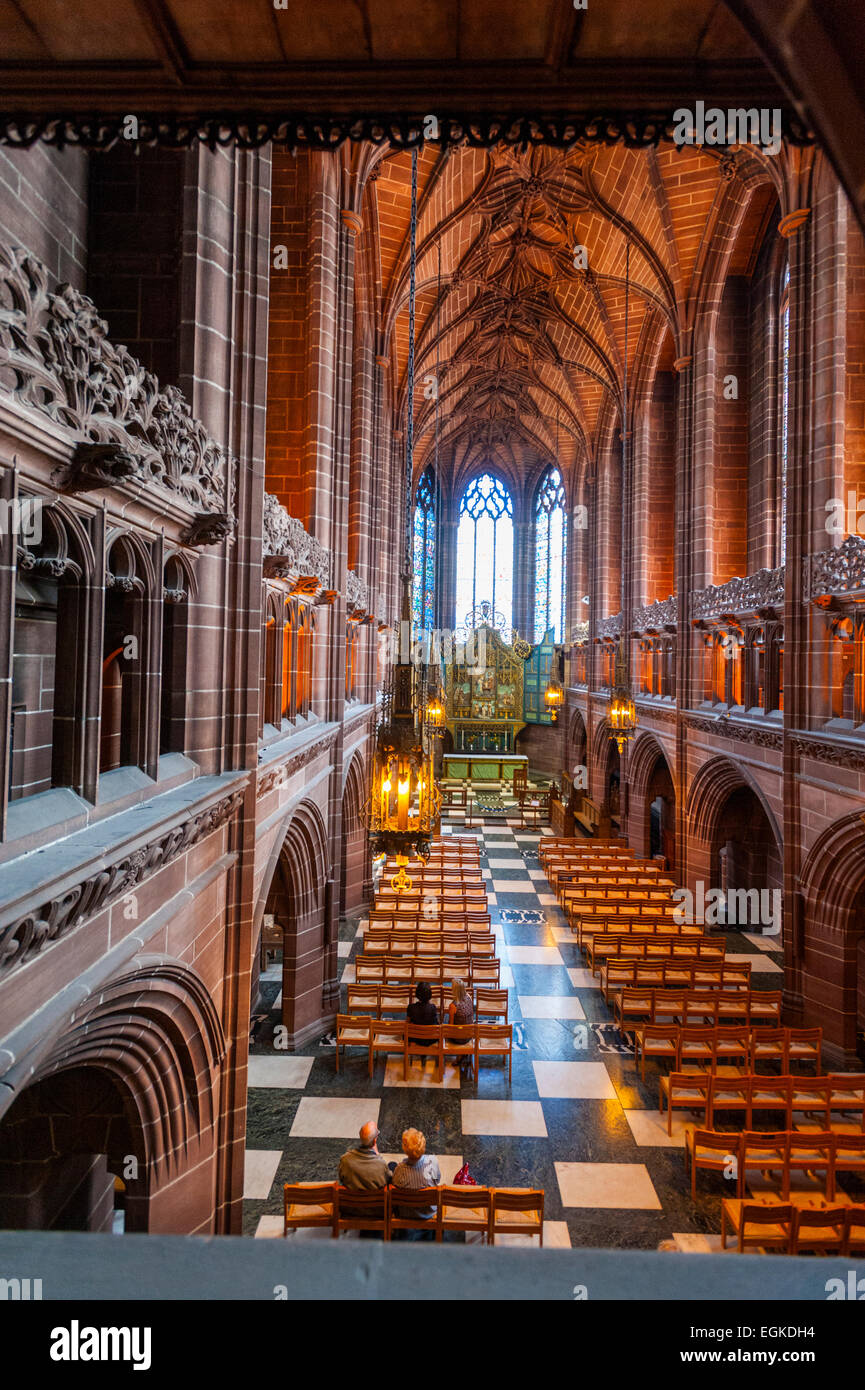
(290, 552)
(837, 571)
(26, 936)
(656, 616)
(270, 778)
(55, 356)
(765, 589)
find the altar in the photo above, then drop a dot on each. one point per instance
(482, 767)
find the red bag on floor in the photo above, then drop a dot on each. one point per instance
(464, 1178)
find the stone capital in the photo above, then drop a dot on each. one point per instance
(790, 224)
(351, 221)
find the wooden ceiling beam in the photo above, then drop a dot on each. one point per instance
(160, 26)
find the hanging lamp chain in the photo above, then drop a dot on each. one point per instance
(409, 428)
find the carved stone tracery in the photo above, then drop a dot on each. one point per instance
(290, 552)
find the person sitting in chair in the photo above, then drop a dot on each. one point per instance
(422, 1010)
(459, 1010)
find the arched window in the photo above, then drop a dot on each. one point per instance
(550, 556)
(485, 549)
(424, 554)
(784, 403)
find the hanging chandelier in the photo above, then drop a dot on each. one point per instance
(402, 812)
(622, 713)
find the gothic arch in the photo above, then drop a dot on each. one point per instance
(641, 764)
(355, 854)
(710, 789)
(833, 874)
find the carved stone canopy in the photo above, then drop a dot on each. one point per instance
(836, 573)
(56, 358)
(662, 616)
(760, 593)
(290, 553)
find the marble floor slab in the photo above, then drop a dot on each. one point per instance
(534, 955)
(422, 1072)
(649, 1128)
(259, 1171)
(515, 1118)
(550, 1006)
(581, 978)
(574, 1080)
(279, 1072)
(333, 1117)
(607, 1186)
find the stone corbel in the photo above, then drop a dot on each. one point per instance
(96, 466)
(208, 528)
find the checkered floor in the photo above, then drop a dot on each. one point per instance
(576, 1120)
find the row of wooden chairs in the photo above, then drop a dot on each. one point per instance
(556, 846)
(614, 893)
(706, 1046)
(397, 942)
(487, 1211)
(685, 972)
(788, 1229)
(823, 1153)
(586, 931)
(413, 918)
(435, 970)
(380, 1000)
(839, 1093)
(633, 1006)
(647, 945)
(399, 1037)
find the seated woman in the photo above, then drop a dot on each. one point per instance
(422, 1010)
(459, 1010)
(418, 1169)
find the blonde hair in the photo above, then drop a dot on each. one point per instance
(458, 990)
(413, 1144)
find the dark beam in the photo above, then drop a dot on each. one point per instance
(162, 30)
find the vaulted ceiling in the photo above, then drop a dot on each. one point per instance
(524, 333)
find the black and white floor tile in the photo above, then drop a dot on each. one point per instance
(576, 1119)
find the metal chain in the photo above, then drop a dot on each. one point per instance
(409, 429)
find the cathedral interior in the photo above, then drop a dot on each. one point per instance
(432, 551)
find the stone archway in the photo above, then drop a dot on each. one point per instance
(833, 947)
(355, 866)
(733, 839)
(651, 800)
(130, 1089)
(296, 897)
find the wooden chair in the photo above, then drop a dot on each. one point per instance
(769, 1045)
(854, 1231)
(406, 1204)
(460, 1040)
(423, 1040)
(491, 1003)
(352, 1031)
(810, 1153)
(517, 1211)
(706, 1149)
(363, 999)
(394, 999)
(848, 1156)
(847, 1094)
(309, 1204)
(464, 1209)
(728, 1093)
(757, 1225)
(765, 1151)
(387, 1035)
(771, 1093)
(683, 1090)
(810, 1095)
(493, 1040)
(363, 1211)
(819, 1230)
(697, 1047)
(656, 1040)
(804, 1045)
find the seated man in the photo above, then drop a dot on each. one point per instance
(363, 1169)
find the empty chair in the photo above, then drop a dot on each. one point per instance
(771, 1093)
(728, 1093)
(804, 1045)
(491, 1003)
(854, 1231)
(387, 1035)
(493, 1040)
(847, 1094)
(757, 1225)
(464, 1209)
(820, 1230)
(810, 1153)
(363, 1211)
(309, 1204)
(696, 1048)
(683, 1091)
(656, 1040)
(769, 1045)
(764, 1152)
(848, 1156)
(715, 1153)
(352, 1031)
(810, 1095)
(394, 999)
(517, 1211)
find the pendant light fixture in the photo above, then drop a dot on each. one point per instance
(402, 811)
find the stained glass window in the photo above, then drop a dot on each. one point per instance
(550, 556)
(424, 554)
(785, 407)
(485, 550)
